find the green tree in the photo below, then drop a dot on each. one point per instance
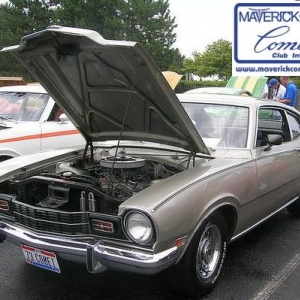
(102, 16)
(149, 22)
(18, 18)
(176, 61)
(216, 60)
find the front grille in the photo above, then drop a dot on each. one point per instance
(39, 219)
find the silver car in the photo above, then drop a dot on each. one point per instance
(164, 182)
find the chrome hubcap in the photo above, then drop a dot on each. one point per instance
(208, 252)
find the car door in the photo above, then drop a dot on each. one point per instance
(21, 138)
(61, 133)
(278, 166)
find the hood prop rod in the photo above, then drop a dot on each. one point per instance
(87, 145)
(120, 134)
(192, 155)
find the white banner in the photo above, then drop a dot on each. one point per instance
(266, 39)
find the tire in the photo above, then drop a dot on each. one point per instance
(196, 273)
(294, 209)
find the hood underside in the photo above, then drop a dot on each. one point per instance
(109, 89)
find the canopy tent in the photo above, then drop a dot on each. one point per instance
(254, 84)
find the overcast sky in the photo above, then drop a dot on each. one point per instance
(201, 22)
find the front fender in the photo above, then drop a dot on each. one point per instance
(24, 163)
(183, 212)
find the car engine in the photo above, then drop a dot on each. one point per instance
(99, 185)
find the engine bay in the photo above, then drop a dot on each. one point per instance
(97, 185)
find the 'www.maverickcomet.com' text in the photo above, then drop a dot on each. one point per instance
(268, 69)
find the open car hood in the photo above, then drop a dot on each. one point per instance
(102, 84)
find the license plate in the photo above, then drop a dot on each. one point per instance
(41, 258)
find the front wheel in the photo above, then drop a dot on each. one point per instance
(196, 273)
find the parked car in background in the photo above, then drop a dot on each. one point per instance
(219, 90)
(165, 182)
(30, 121)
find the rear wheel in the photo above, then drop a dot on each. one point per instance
(197, 272)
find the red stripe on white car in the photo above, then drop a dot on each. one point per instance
(38, 136)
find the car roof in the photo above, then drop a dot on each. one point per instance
(219, 90)
(33, 88)
(229, 100)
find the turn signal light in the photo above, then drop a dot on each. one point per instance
(4, 205)
(103, 226)
(180, 242)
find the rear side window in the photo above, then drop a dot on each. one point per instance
(294, 125)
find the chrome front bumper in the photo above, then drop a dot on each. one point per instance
(97, 255)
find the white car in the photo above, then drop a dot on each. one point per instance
(31, 121)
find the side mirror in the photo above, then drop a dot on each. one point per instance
(63, 118)
(273, 139)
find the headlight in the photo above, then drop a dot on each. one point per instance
(139, 228)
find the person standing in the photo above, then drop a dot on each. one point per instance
(277, 90)
(265, 93)
(290, 95)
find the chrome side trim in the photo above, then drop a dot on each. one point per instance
(263, 220)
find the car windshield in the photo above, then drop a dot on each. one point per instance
(220, 125)
(22, 106)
